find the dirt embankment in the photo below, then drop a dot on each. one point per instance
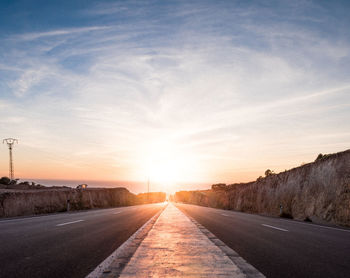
(318, 191)
(29, 202)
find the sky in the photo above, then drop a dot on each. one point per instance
(174, 91)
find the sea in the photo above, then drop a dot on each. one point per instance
(133, 186)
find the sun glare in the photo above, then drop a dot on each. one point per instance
(163, 162)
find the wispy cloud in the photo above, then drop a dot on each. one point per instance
(59, 32)
(108, 8)
(26, 81)
(228, 88)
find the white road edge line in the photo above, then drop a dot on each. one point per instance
(26, 218)
(67, 223)
(274, 227)
(314, 225)
(325, 227)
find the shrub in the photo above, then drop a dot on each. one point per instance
(268, 172)
(319, 157)
(307, 219)
(5, 180)
(218, 186)
(286, 215)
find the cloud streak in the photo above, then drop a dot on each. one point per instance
(228, 88)
(59, 32)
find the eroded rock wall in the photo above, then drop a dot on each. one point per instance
(152, 197)
(319, 191)
(29, 202)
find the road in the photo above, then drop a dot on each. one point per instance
(66, 244)
(279, 247)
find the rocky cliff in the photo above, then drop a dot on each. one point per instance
(28, 202)
(318, 191)
(152, 197)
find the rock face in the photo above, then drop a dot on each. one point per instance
(28, 202)
(318, 191)
(152, 197)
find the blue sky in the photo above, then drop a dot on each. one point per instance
(214, 90)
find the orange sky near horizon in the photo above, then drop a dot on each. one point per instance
(168, 167)
(182, 92)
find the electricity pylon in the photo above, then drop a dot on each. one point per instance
(148, 190)
(10, 142)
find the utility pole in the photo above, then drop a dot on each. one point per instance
(148, 190)
(10, 142)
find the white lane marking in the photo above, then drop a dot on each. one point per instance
(117, 212)
(67, 223)
(312, 225)
(315, 225)
(273, 227)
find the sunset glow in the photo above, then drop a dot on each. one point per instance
(181, 91)
(186, 138)
(164, 163)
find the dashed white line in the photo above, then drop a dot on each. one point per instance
(273, 227)
(225, 214)
(117, 212)
(67, 223)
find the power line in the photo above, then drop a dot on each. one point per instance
(10, 142)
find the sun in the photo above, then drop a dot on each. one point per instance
(163, 169)
(164, 162)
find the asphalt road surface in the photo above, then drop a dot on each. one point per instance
(279, 247)
(66, 244)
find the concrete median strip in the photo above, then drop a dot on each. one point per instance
(247, 269)
(174, 245)
(113, 265)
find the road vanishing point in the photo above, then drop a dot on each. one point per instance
(170, 240)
